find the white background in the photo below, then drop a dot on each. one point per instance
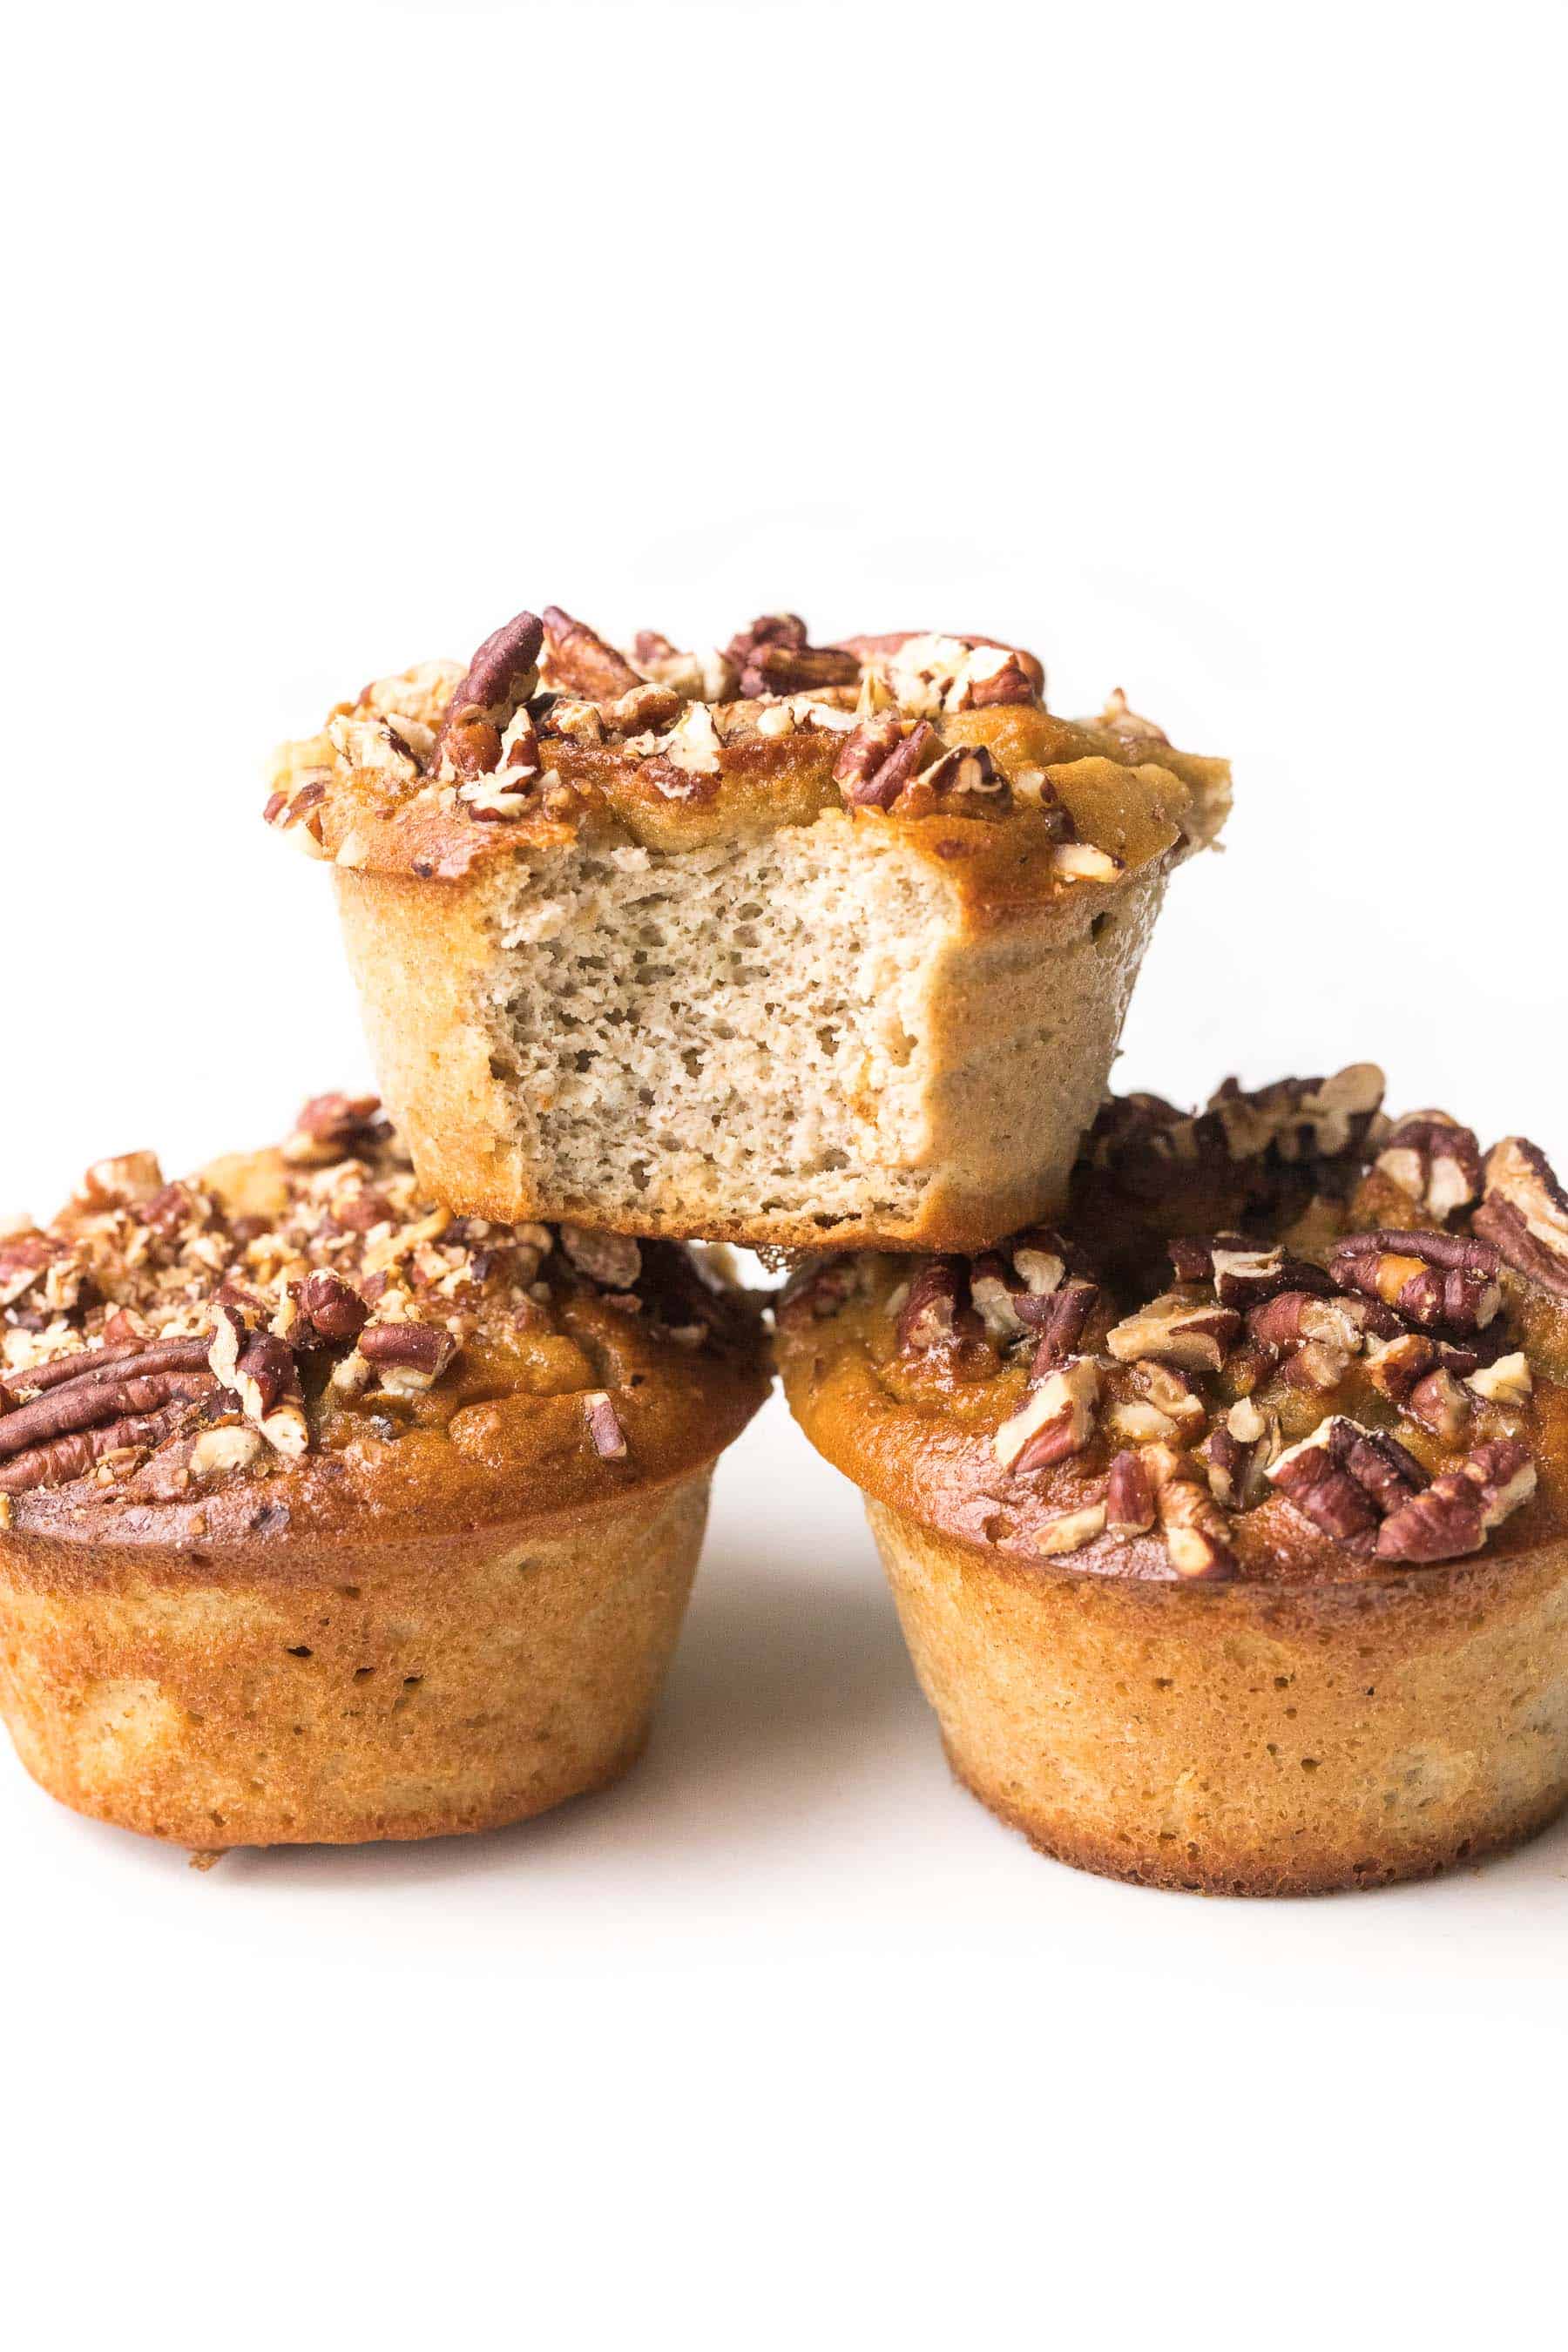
(1213, 351)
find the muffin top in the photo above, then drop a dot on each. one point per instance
(551, 733)
(295, 1338)
(1280, 1339)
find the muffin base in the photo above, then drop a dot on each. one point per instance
(1245, 1738)
(436, 1688)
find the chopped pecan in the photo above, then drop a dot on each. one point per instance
(997, 674)
(928, 1316)
(331, 1127)
(1129, 1497)
(126, 1182)
(605, 1426)
(1178, 1331)
(1432, 1279)
(1060, 1317)
(230, 1445)
(1071, 1530)
(410, 1357)
(1524, 1214)
(610, 1259)
(1173, 1392)
(582, 663)
(1242, 1274)
(1346, 1480)
(1055, 1420)
(878, 761)
(1506, 1381)
(330, 1310)
(1196, 1534)
(1458, 1511)
(993, 1292)
(1410, 1372)
(1435, 1160)
(1301, 1118)
(966, 781)
(1237, 1454)
(774, 656)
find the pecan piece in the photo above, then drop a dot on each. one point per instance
(612, 1260)
(1197, 1536)
(1237, 1454)
(1524, 1214)
(994, 1292)
(879, 760)
(605, 1426)
(1055, 1420)
(774, 656)
(966, 781)
(1435, 1160)
(1432, 1279)
(1346, 1479)
(998, 674)
(582, 663)
(1177, 1330)
(334, 1127)
(330, 1310)
(1071, 1530)
(1301, 1118)
(61, 1459)
(1129, 1496)
(928, 1316)
(498, 683)
(134, 1384)
(409, 1356)
(1242, 1274)
(1060, 1318)
(1458, 1511)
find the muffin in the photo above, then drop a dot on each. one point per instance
(326, 1514)
(790, 944)
(1226, 1521)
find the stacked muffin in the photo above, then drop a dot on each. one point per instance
(355, 1489)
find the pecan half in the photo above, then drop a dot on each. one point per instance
(496, 686)
(774, 656)
(1432, 1279)
(1178, 1331)
(59, 1460)
(1435, 1160)
(1055, 1420)
(1458, 1511)
(879, 760)
(1524, 1214)
(330, 1310)
(133, 1384)
(582, 663)
(1346, 1479)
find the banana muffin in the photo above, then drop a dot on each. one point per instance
(1227, 1521)
(790, 944)
(326, 1514)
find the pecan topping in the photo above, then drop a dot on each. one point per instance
(1507, 1382)
(1129, 1496)
(1301, 1118)
(603, 1427)
(774, 656)
(928, 1316)
(582, 663)
(1524, 1214)
(1347, 1479)
(996, 674)
(1435, 1160)
(1237, 1454)
(58, 1460)
(1196, 1537)
(487, 698)
(1060, 1319)
(330, 1127)
(1457, 1512)
(1072, 1529)
(1178, 1331)
(1432, 1279)
(1056, 1420)
(609, 1259)
(1243, 1275)
(879, 760)
(410, 1356)
(966, 781)
(98, 1395)
(330, 1310)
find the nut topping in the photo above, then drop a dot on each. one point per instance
(1060, 1318)
(1435, 1280)
(1435, 1160)
(1524, 1214)
(774, 656)
(581, 663)
(1457, 1512)
(1129, 1496)
(603, 1427)
(1056, 1420)
(612, 1259)
(1347, 1479)
(879, 760)
(1176, 1331)
(1198, 1538)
